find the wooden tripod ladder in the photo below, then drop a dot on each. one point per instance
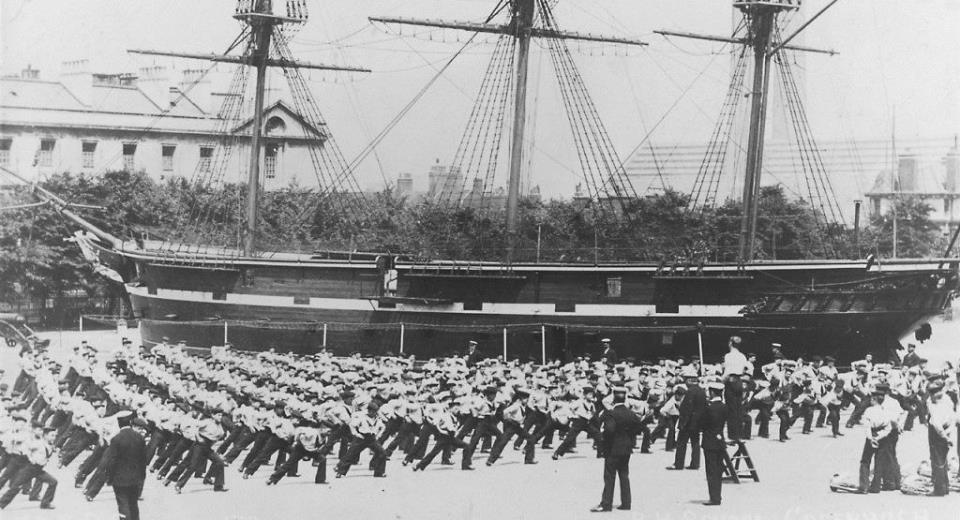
(732, 465)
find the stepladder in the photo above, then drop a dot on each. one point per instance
(739, 465)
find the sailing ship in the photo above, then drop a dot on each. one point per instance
(388, 303)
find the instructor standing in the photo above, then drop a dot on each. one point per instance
(620, 427)
(126, 464)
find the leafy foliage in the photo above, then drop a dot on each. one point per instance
(35, 262)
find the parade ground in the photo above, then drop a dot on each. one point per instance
(794, 485)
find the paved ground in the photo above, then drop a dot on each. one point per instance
(793, 486)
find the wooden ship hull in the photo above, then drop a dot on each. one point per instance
(380, 305)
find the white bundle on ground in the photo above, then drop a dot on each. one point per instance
(844, 483)
(916, 484)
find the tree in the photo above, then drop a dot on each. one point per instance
(917, 235)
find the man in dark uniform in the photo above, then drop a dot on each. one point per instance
(714, 446)
(473, 354)
(126, 464)
(620, 426)
(609, 355)
(911, 359)
(692, 408)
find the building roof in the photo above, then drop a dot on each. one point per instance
(120, 99)
(301, 130)
(24, 93)
(927, 180)
(48, 104)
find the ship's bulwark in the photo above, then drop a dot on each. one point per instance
(655, 314)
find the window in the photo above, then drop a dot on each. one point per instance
(167, 156)
(129, 150)
(876, 207)
(206, 157)
(88, 149)
(270, 161)
(45, 155)
(946, 205)
(5, 151)
(614, 286)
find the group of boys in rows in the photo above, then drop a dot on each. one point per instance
(202, 414)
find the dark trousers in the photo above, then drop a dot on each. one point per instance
(858, 410)
(570, 439)
(379, 461)
(298, 452)
(423, 439)
(260, 440)
(544, 432)
(785, 422)
(127, 501)
(273, 445)
(339, 434)
(238, 432)
(405, 438)
(891, 466)
(244, 437)
(13, 465)
(22, 480)
(764, 412)
(158, 438)
(95, 482)
(939, 450)
(833, 417)
(614, 467)
(90, 464)
(80, 441)
(667, 424)
(821, 415)
(806, 411)
(445, 442)
(174, 458)
(531, 424)
(713, 464)
(733, 397)
(687, 435)
(484, 428)
(199, 455)
(870, 454)
(510, 429)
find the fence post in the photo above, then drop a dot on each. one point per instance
(225, 333)
(504, 344)
(543, 345)
(401, 337)
(81, 323)
(324, 335)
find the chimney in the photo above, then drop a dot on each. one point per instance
(75, 76)
(127, 80)
(951, 166)
(174, 96)
(30, 73)
(196, 86)
(405, 184)
(154, 81)
(907, 173)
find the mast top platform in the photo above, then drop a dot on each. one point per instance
(268, 18)
(778, 5)
(263, 12)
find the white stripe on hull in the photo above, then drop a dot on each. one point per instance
(495, 309)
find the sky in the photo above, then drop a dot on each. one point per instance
(894, 57)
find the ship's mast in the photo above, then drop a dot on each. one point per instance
(522, 27)
(261, 21)
(761, 17)
(521, 24)
(761, 22)
(261, 31)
